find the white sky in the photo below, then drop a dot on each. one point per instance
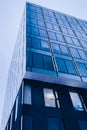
(10, 17)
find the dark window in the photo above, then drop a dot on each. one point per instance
(83, 125)
(27, 123)
(70, 67)
(37, 60)
(36, 43)
(29, 58)
(28, 41)
(82, 69)
(48, 62)
(54, 124)
(61, 65)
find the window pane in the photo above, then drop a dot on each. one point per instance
(49, 98)
(52, 35)
(40, 23)
(56, 48)
(76, 42)
(34, 31)
(37, 60)
(34, 21)
(56, 27)
(83, 43)
(45, 45)
(27, 123)
(43, 33)
(60, 38)
(49, 25)
(74, 52)
(82, 54)
(64, 50)
(53, 124)
(70, 67)
(36, 43)
(76, 101)
(61, 65)
(27, 94)
(68, 40)
(48, 63)
(82, 69)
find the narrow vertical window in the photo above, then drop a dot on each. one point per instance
(76, 101)
(27, 94)
(49, 98)
(16, 108)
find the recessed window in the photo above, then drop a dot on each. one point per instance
(27, 94)
(51, 98)
(76, 101)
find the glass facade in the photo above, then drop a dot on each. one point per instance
(47, 81)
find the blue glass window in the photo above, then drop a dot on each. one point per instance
(82, 54)
(76, 42)
(39, 15)
(56, 48)
(34, 31)
(61, 65)
(28, 29)
(70, 32)
(64, 50)
(41, 23)
(78, 34)
(45, 45)
(64, 30)
(29, 58)
(37, 60)
(28, 41)
(53, 19)
(56, 28)
(49, 25)
(34, 21)
(70, 67)
(48, 64)
(60, 37)
(68, 40)
(43, 33)
(82, 68)
(83, 43)
(52, 35)
(74, 52)
(83, 125)
(36, 43)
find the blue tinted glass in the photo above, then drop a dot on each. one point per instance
(83, 43)
(48, 63)
(52, 35)
(53, 124)
(68, 40)
(74, 52)
(53, 19)
(27, 123)
(36, 43)
(39, 15)
(83, 125)
(34, 30)
(43, 33)
(60, 38)
(28, 29)
(32, 13)
(28, 41)
(29, 58)
(75, 41)
(82, 69)
(56, 27)
(41, 23)
(61, 65)
(70, 32)
(49, 25)
(37, 60)
(45, 45)
(47, 18)
(56, 48)
(64, 30)
(70, 67)
(82, 54)
(34, 21)
(64, 50)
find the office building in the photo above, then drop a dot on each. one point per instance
(47, 82)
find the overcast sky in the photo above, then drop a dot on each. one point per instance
(10, 17)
